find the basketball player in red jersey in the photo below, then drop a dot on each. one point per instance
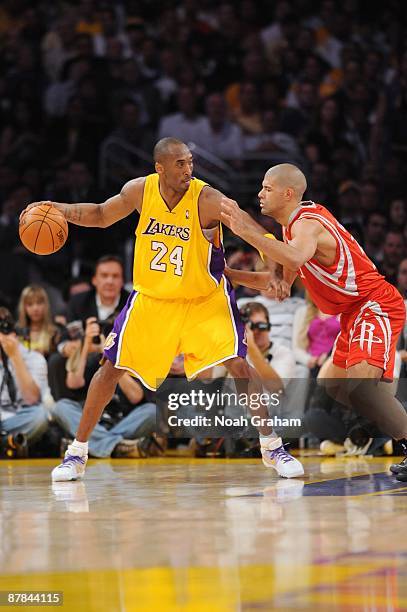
(341, 279)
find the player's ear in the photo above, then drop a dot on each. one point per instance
(159, 168)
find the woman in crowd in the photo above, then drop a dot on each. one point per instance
(314, 335)
(35, 320)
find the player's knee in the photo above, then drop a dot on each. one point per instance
(109, 373)
(364, 370)
(361, 391)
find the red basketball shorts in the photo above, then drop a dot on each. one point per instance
(370, 332)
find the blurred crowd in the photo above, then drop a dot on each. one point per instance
(87, 87)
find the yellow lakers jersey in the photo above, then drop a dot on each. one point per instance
(172, 257)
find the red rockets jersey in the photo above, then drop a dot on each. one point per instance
(350, 279)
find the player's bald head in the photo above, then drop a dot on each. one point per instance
(168, 147)
(288, 176)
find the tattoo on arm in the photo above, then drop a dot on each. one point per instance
(73, 213)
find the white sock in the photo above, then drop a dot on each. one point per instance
(271, 442)
(83, 446)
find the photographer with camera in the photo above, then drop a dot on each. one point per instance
(127, 424)
(23, 376)
(273, 361)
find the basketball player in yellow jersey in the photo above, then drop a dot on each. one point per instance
(182, 302)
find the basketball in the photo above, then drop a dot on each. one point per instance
(43, 229)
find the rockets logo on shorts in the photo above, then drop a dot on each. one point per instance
(110, 341)
(366, 337)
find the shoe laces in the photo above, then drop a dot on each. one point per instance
(70, 460)
(280, 454)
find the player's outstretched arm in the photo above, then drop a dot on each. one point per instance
(210, 209)
(261, 281)
(302, 247)
(101, 215)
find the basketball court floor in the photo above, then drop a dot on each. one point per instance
(196, 535)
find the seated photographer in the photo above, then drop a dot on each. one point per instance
(275, 364)
(273, 361)
(127, 425)
(23, 376)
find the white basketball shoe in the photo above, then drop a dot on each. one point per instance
(73, 465)
(275, 456)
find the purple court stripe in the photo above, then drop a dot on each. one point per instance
(111, 353)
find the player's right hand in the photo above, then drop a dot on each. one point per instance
(33, 204)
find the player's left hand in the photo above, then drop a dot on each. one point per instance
(233, 216)
(278, 289)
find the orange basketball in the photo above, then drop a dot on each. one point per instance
(43, 229)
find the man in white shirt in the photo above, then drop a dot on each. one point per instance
(187, 123)
(217, 134)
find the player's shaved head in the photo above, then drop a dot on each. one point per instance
(288, 176)
(167, 147)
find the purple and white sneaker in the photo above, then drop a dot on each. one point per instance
(72, 467)
(275, 456)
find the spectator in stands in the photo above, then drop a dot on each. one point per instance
(248, 113)
(369, 197)
(273, 361)
(314, 334)
(187, 123)
(132, 86)
(271, 139)
(393, 252)
(349, 203)
(166, 82)
(275, 364)
(374, 235)
(23, 376)
(107, 298)
(133, 420)
(398, 215)
(35, 321)
(217, 134)
(320, 188)
(300, 113)
(281, 317)
(327, 131)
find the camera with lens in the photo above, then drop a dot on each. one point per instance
(6, 325)
(13, 446)
(105, 328)
(75, 330)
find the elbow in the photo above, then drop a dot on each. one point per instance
(294, 263)
(101, 220)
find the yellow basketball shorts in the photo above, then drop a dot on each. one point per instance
(149, 333)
